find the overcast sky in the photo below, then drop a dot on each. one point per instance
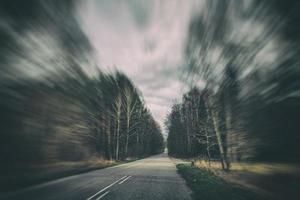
(145, 40)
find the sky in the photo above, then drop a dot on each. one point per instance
(144, 39)
(147, 40)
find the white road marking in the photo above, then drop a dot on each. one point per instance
(103, 195)
(106, 187)
(124, 180)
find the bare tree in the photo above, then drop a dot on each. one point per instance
(117, 111)
(129, 103)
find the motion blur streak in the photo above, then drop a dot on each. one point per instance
(247, 55)
(87, 84)
(59, 113)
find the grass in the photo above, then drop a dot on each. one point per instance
(257, 168)
(25, 176)
(205, 185)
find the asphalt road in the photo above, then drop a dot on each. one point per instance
(152, 178)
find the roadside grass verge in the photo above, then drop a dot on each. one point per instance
(20, 176)
(279, 180)
(257, 168)
(205, 185)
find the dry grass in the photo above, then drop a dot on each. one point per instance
(94, 162)
(276, 180)
(26, 175)
(205, 185)
(257, 168)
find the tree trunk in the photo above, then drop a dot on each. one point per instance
(207, 136)
(188, 140)
(127, 135)
(228, 122)
(207, 147)
(219, 138)
(108, 140)
(137, 144)
(117, 139)
(118, 115)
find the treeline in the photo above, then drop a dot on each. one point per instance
(201, 126)
(220, 127)
(76, 119)
(55, 104)
(247, 106)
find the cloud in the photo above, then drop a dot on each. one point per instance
(144, 40)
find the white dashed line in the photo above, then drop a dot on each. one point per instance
(103, 195)
(124, 180)
(106, 188)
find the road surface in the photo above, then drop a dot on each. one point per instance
(152, 178)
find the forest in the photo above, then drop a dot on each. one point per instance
(76, 119)
(246, 106)
(57, 106)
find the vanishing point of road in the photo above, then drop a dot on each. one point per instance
(153, 178)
